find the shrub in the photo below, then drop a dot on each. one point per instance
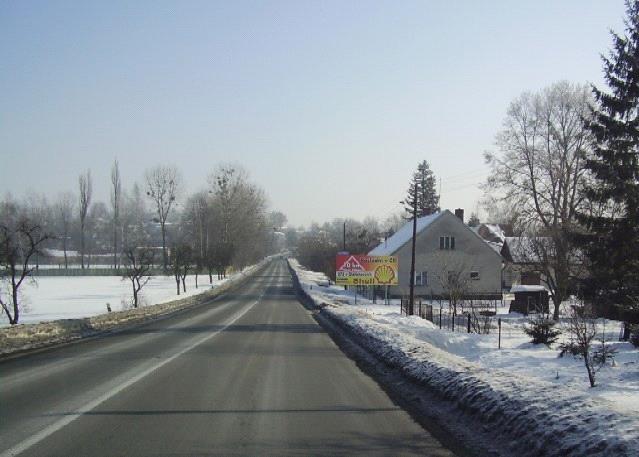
(542, 330)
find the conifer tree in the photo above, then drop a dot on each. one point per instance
(427, 198)
(613, 241)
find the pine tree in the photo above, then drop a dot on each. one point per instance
(613, 241)
(427, 198)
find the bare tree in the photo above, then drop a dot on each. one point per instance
(86, 189)
(38, 211)
(133, 217)
(240, 208)
(98, 230)
(162, 186)
(20, 240)
(64, 213)
(195, 220)
(541, 174)
(138, 262)
(582, 330)
(181, 256)
(116, 197)
(454, 278)
(277, 219)
(393, 223)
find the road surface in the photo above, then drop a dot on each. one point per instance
(250, 373)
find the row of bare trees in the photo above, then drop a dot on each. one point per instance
(222, 225)
(225, 224)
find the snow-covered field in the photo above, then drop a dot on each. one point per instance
(521, 387)
(72, 308)
(73, 297)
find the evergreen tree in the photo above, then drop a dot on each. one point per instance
(427, 199)
(474, 220)
(613, 241)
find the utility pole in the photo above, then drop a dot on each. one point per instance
(344, 238)
(411, 302)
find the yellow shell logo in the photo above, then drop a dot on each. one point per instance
(384, 274)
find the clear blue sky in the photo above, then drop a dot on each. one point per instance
(329, 105)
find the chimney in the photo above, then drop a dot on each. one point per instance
(459, 212)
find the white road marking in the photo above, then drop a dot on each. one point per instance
(51, 429)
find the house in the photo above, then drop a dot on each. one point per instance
(494, 234)
(522, 259)
(448, 254)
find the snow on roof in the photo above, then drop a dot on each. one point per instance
(525, 288)
(404, 234)
(496, 231)
(496, 246)
(525, 249)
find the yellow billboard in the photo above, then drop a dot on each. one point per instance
(366, 270)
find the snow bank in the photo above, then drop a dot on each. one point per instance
(26, 337)
(532, 417)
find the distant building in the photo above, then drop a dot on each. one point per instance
(448, 253)
(494, 234)
(521, 261)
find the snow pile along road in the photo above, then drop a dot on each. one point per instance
(25, 337)
(530, 417)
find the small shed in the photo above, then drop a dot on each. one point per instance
(529, 299)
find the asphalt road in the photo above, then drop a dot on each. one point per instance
(250, 373)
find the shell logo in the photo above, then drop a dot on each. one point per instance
(384, 274)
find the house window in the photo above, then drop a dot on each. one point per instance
(446, 242)
(421, 278)
(474, 275)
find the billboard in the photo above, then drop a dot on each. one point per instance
(366, 270)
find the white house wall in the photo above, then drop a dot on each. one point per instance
(471, 253)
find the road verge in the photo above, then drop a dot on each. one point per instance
(524, 417)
